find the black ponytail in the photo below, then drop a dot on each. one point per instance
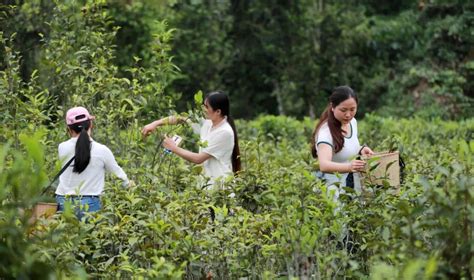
(236, 164)
(83, 146)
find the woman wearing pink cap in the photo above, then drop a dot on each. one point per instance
(83, 181)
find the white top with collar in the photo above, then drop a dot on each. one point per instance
(220, 144)
(351, 142)
(349, 152)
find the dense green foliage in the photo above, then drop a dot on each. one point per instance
(274, 219)
(283, 57)
(280, 222)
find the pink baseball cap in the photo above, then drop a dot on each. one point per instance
(77, 114)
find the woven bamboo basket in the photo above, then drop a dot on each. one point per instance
(382, 166)
(43, 210)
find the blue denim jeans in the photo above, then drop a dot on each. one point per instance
(80, 204)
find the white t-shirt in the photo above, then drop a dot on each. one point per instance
(351, 142)
(90, 181)
(349, 151)
(220, 144)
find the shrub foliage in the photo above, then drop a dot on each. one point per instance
(273, 220)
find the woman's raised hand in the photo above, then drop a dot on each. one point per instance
(149, 128)
(169, 144)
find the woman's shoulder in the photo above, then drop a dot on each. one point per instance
(99, 146)
(205, 123)
(324, 134)
(228, 128)
(354, 125)
(225, 130)
(69, 142)
(64, 143)
(324, 128)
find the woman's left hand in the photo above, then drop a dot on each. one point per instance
(366, 151)
(169, 144)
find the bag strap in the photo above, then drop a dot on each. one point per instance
(402, 165)
(59, 174)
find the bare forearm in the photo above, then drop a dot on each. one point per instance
(190, 156)
(149, 128)
(172, 120)
(333, 167)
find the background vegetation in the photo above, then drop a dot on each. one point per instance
(133, 61)
(404, 58)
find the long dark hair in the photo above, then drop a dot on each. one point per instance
(83, 146)
(339, 94)
(220, 101)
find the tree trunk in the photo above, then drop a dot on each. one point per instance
(312, 113)
(279, 97)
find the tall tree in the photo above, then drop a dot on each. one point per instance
(201, 47)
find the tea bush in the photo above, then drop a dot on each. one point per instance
(281, 222)
(273, 220)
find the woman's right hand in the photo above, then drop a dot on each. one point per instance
(149, 128)
(169, 144)
(357, 165)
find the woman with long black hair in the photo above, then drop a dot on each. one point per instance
(82, 182)
(221, 156)
(336, 144)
